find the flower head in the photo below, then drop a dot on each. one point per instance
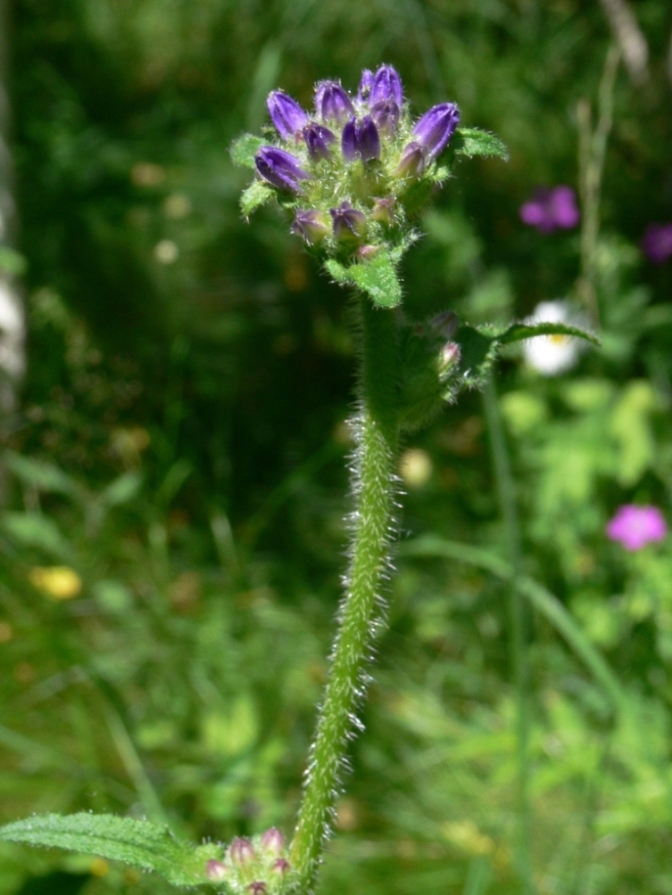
(657, 242)
(552, 355)
(636, 526)
(551, 209)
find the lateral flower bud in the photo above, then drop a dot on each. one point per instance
(241, 852)
(279, 168)
(280, 866)
(332, 103)
(257, 888)
(312, 225)
(386, 86)
(286, 114)
(365, 85)
(445, 324)
(348, 223)
(216, 870)
(413, 161)
(273, 842)
(436, 127)
(449, 357)
(386, 116)
(383, 211)
(318, 140)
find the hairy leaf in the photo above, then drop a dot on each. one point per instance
(256, 195)
(519, 331)
(377, 277)
(139, 843)
(472, 141)
(244, 149)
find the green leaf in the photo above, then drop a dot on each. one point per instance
(256, 195)
(124, 488)
(377, 277)
(139, 843)
(472, 141)
(12, 262)
(519, 331)
(244, 149)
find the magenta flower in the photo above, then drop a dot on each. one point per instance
(635, 527)
(657, 242)
(551, 209)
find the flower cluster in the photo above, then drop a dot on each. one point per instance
(636, 526)
(256, 866)
(551, 209)
(353, 168)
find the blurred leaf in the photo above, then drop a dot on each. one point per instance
(631, 428)
(122, 489)
(36, 530)
(244, 149)
(135, 842)
(12, 262)
(519, 331)
(39, 474)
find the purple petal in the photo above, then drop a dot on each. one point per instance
(413, 161)
(657, 242)
(311, 225)
(386, 86)
(286, 114)
(349, 140)
(365, 85)
(563, 207)
(348, 222)
(279, 168)
(368, 140)
(386, 115)
(635, 526)
(436, 127)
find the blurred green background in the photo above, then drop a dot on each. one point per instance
(171, 533)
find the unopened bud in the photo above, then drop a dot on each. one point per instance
(273, 842)
(257, 888)
(383, 211)
(368, 252)
(241, 851)
(449, 357)
(280, 866)
(216, 870)
(445, 324)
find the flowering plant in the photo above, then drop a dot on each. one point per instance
(352, 175)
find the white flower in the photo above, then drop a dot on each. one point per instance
(552, 355)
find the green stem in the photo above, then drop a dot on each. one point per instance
(373, 477)
(518, 631)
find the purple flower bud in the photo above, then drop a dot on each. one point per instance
(332, 103)
(386, 85)
(257, 888)
(360, 138)
(216, 870)
(436, 127)
(312, 225)
(445, 324)
(280, 866)
(348, 222)
(273, 842)
(413, 161)
(368, 140)
(318, 140)
(286, 114)
(241, 852)
(386, 116)
(383, 211)
(365, 85)
(657, 242)
(279, 168)
(366, 253)
(449, 357)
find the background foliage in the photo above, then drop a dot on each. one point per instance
(180, 443)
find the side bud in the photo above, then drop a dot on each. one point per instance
(360, 138)
(436, 127)
(311, 225)
(216, 870)
(386, 86)
(273, 842)
(241, 852)
(318, 140)
(413, 161)
(383, 211)
(349, 224)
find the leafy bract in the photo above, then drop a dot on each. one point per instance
(244, 149)
(256, 195)
(377, 277)
(139, 843)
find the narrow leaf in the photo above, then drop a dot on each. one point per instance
(377, 277)
(519, 331)
(39, 474)
(472, 141)
(244, 149)
(256, 195)
(139, 843)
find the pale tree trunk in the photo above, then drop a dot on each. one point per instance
(12, 321)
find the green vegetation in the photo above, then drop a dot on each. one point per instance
(174, 485)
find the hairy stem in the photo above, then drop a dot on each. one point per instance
(373, 480)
